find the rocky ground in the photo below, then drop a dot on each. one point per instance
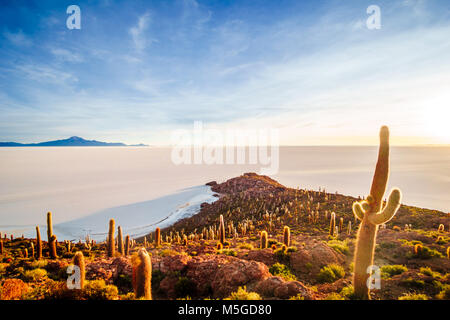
(189, 263)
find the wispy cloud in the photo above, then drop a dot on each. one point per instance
(66, 55)
(139, 34)
(18, 38)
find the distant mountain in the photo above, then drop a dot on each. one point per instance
(71, 142)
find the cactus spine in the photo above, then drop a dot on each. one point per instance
(221, 230)
(372, 214)
(111, 243)
(142, 275)
(264, 240)
(38, 244)
(287, 236)
(332, 224)
(120, 240)
(78, 260)
(51, 237)
(158, 237)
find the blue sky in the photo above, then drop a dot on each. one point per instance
(137, 70)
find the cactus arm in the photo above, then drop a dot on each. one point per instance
(381, 174)
(390, 210)
(358, 210)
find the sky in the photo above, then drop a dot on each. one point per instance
(137, 71)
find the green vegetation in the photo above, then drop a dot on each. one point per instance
(283, 271)
(413, 296)
(242, 294)
(330, 273)
(392, 270)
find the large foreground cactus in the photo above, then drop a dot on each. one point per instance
(372, 214)
(142, 275)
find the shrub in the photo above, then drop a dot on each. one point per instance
(339, 246)
(242, 294)
(428, 272)
(424, 252)
(330, 273)
(413, 296)
(184, 287)
(392, 270)
(297, 297)
(99, 290)
(247, 246)
(413, 283)
(38, 264)
(444, 294)
(348, 292)
(157, 277)
(35, 274)
(283, 271)
(229, 252)
(334, 296)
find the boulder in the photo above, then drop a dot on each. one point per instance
(276, 287)
(311, 258)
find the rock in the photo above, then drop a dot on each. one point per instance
(202, 270)
(220, 275)
(212, 183)
(312, 258)
(265, 256)
(237, 273)
(276, 287)
(174, 263)
(121, 265)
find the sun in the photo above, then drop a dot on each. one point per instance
(435, 116)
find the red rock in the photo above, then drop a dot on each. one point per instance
(174, 263)
(237, 273)
(313, 257)
(265, 256)
(276, 287)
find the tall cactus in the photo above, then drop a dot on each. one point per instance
(120, 241)
(111, 242)
(142, 275)
(38, 244)
(158, 237)
(332, 224)
(372, 214)
(51, 237)
(1, 245)
(127, 245)
(78, 260)
(264, 240)
(32, 250)
(221, 230)
(287, 236)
